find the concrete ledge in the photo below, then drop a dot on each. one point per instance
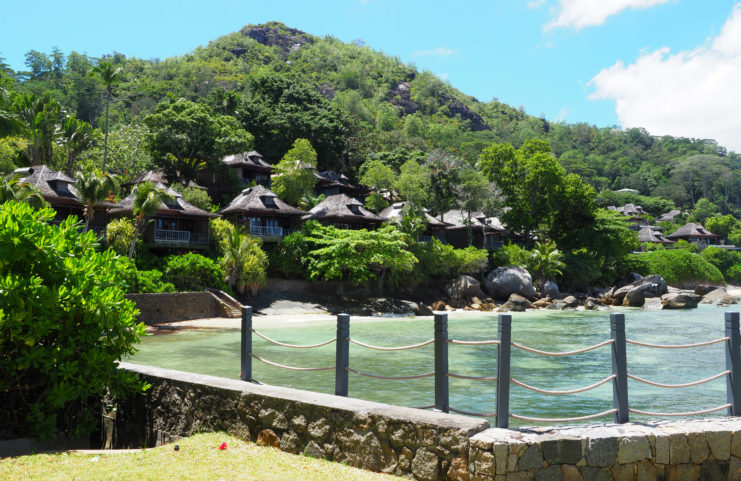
(157, 308)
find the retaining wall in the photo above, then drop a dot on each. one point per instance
(424, 445)
(177, 306)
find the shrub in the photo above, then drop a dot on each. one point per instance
(287, 259)
(141, 281)
(511, 255)
(733, 274)
(195, 196)
(219, 230)
(688, 246)
(244, 262)
(193, 272)
(119, 234)
(678, 267)
(64, 324)
(723, 259)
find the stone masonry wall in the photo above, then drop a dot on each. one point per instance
(424, 445)
(175, 306)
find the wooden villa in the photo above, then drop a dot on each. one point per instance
(58, 189)
(487, 232)
(263, 213)
(435, 227)
(176, 224)
(653, 235)
(345, 212)
(331, 183)
(250, 167)
(696, 234)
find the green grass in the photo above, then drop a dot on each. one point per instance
(198, 459)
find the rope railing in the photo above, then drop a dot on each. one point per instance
(676, 346)
(472, 343)
(473, 378)
(563, 393)
(564, 420)
(472, 413)
(394, 348)
(294, 346)
(677, 386)
(391, 378)
(292, 368)
(684, 414)
(565, 353)
(429, 406)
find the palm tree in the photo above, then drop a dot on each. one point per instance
(93, 187)
(11, 188)
(243, 261)
(10, 123)
(109, 75)
(546, 261)
(78, 136)
(146, 201)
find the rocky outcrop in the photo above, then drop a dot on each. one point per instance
(401, 96)
(718, 296)
(515, 303)
(464, 288)
(704, 289)
(458, 108)
(680, 300)
(288, 39)
(592, 304)
(635, 293)
(505, 281)
(550, 289)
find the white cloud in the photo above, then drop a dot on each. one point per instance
(587, 13)
(433, 52)
(692, 93)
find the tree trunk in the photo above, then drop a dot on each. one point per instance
(89, 213)
(105, 142)
(133, 241)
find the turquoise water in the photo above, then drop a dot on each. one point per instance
(216, 352)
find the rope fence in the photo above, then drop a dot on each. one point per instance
(503, 379)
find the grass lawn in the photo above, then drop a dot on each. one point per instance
(198, 459)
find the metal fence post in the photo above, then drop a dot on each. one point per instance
(619, 368)
(441, 362)
(733, 363)
(504, 353)
(246, 345)
(342, 360)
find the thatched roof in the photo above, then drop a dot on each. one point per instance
(669, 216)
(691, 229)
(647, 234)
(260, 200)
(56, 187)
(396, 212)
(342, 207)
(158, 177)
(629, 210)
(178, 207)
(252, 160)
(457, 219)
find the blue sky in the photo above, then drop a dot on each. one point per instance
(672, 66)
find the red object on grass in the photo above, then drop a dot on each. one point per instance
(223, 446)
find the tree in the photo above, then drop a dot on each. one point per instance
(703, 209)
(472, 193)
(109, 75)
(243, 261)
(546, 261)
(722, 225)
(379, 178)
(294, 174)
(413, 185)
(146, 201)
(64, 325)
(11, 188)
(77, 136)
(444, 177)
(94, 187)
(42, 117)
(10, 123)
(184, 135)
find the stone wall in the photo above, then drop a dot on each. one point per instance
(420, 444)
(176, 306)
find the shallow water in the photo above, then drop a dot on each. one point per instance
(216, 352)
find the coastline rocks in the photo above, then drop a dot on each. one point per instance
(550, 289)
(718, 296)
(505, 281)
(680, 300)
(704, 289)
(423, 310)
(515, 303)
(570, 301)
(558, 306)
(438, 306)
(465, 287)
(635, 293)
(592, 303)
(541, 303)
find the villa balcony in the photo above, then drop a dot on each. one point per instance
(267, 231)
(180, 238)
(423, 239)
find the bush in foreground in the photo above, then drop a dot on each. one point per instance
(64, 324)
(194, 272)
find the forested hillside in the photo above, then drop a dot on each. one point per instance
(351, 102)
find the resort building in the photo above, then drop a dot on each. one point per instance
(176, 224)
(263, 214)
(487, 232)
(669, 216)
(696, 234)
(653, 235)
(250, 167)
(435, 227)
(58, 189)
(158, 177)
(331, 183)
(345, 212)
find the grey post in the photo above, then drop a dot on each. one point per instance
(246, 372)
(619, 368)
(733, 363)
(441, 362)
(503, 369)
(342, 360)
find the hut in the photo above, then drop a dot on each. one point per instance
(58, 189)
(487, 232)
(263, 213)
(435, 228)
(696, 234)
(345, 212)
(176, 224)
(652, 235)
(669, 216)
(250, 167)
(331, 183)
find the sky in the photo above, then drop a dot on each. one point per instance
(669, 66)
